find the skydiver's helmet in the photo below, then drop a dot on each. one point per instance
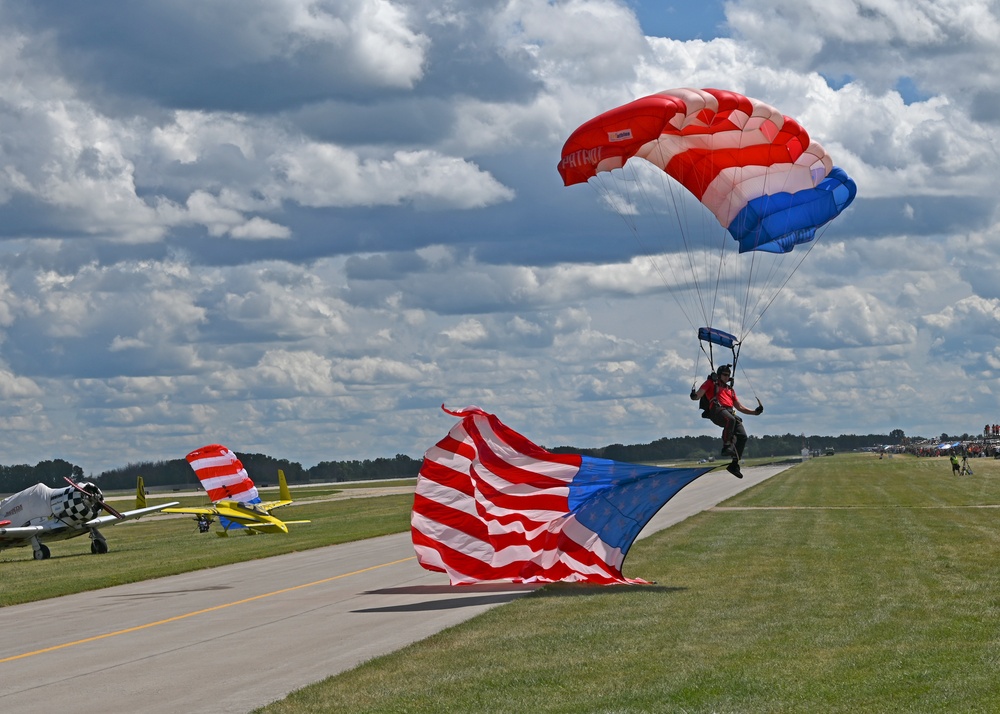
(725, 373)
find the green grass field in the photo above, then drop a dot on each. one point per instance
(846, 584)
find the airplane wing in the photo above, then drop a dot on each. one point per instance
(128, 515)
(241, 514)
(12, 537)
(270, 505)
(205, 511)
(18, 533)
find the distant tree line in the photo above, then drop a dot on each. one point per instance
(263, 469)
(685, 448)
(51, 473)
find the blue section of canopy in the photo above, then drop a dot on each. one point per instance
(716, 337)
(616, 499)
(778, 222)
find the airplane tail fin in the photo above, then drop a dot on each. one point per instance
(140, 493)
(283, 493)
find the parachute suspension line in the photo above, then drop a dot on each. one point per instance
(747, 286)
(616, 201)
(681, 218)
(750, 312)
(677, 278)
(765, 295)
(718, 279)
(748, 309)
(709, 354)
(752, 390)
(684, 228)
(795, 269)
(761, 282)
(728, 275)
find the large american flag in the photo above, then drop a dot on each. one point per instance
(491, 505)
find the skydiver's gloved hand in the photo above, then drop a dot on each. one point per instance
(694, 395)
(759, 409)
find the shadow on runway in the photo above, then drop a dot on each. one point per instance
(446, 603)
(500, 593)
(497, 587)
(161, 593)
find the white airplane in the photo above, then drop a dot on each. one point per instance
(39, 514)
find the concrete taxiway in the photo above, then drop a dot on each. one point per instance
(234, 638)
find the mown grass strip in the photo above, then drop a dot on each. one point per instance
(846, 584)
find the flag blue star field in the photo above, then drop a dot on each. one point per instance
(491, 505)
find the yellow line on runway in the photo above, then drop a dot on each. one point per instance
(200, 612)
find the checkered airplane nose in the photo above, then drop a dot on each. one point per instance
(70, 504)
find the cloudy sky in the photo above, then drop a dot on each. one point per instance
(298, 227)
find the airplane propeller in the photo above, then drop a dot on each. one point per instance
(90, 492)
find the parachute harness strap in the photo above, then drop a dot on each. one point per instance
(697, 362)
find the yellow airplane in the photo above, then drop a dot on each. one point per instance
(235, 501)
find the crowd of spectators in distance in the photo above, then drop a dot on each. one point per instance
(986, 446)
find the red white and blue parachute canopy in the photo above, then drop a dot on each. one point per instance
(755, 169)
(222, 474)
(491, 505)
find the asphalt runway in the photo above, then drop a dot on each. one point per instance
(237, 637)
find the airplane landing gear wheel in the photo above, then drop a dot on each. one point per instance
(42, 553)
(98, 547)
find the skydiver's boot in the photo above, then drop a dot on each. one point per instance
(734, 469)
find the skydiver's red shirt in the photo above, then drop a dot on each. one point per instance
(726, 395)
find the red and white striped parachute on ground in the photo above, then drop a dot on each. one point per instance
(222, 474)
(491, 505)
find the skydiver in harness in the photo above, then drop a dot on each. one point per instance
(722, 407)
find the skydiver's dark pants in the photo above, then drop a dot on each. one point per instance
(734, 435)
